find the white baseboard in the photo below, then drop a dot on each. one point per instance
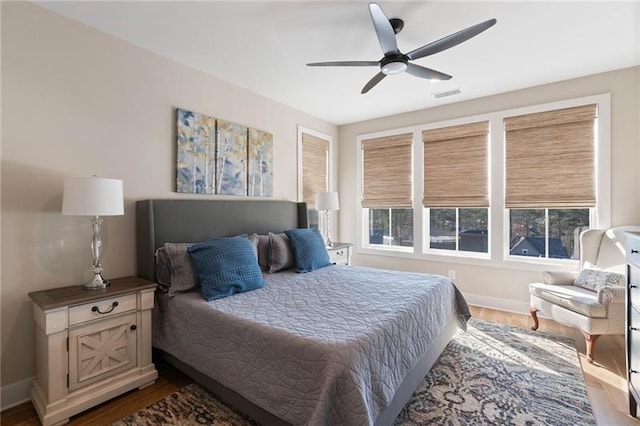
(508, 305)
(15, 394)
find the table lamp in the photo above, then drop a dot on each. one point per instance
(95, 197)
(325, 202)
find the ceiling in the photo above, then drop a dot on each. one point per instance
(264, 46)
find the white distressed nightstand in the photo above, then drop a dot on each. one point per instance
(91, 345)
(340, 253)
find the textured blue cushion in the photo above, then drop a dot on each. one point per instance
(226, 266)
(308, 248)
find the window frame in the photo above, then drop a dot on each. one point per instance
(498, 216)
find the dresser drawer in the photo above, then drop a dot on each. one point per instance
(633, 251)
(633, 280)
(634, 330)
(634, 371)
(102, 308)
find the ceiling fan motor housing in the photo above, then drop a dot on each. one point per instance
(394, 63)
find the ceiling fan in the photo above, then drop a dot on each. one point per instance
(396, 62)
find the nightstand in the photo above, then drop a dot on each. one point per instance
(91, 345)
(340, 253)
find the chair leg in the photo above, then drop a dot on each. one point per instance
(534, 314)
(590, 340)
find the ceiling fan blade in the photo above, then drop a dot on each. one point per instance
(375, 80)
(424, 72)
(344, 64)
(450, 40)
(384, 30)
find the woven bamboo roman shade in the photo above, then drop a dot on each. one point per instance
(456, 166)
(387, 171)
(550, 159)
(315, 157)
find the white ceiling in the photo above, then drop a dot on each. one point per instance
(264, 46)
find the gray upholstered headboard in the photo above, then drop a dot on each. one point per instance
(187, 221)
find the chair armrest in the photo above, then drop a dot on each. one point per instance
(612, 294)
(559, 277)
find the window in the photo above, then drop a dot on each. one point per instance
(550, 180)
(391, 227)
(314, 156)
(547, 233)
(519, 184)
(459, 230)
(456, 186)
(387, 190)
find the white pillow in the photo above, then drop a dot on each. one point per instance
(593, 279)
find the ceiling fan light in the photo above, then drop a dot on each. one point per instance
(394, 68)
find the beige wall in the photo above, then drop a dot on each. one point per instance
(77, 102)
(498, 283)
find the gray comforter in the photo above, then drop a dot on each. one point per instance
(328, 347)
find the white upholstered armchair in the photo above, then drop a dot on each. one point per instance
(593, 299)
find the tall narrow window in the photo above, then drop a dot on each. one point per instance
(315, 172)
(550, 180)
(456, 183)
(387, 189)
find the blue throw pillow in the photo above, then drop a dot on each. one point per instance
(308, 249)
(226, 266)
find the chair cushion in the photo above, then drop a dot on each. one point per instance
(576, 299)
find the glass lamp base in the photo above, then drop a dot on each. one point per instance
(97, 283)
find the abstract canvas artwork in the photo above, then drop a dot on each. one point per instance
(195, 168)
(220, 157)
(260, 163)
(231, 158)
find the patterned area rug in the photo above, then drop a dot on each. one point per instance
(492, 374)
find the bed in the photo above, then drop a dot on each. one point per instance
(340, 345)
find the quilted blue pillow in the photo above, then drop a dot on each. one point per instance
(226, 266)
(308, 249)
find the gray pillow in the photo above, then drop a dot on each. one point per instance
(593, 279)
(163, 270)
(183, 276)
(261, 244)
(281, 256)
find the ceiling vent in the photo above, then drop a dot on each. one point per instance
(447, 93)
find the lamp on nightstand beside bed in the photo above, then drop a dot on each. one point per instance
(95, 197)
(326, 202)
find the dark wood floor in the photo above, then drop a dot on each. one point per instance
(605, 381)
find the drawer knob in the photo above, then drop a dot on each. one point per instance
(634, 328)
(96, 309)
(633, 371)
(633, 286)
(133, 327)
(633, 251)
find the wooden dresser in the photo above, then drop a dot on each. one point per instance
(633, 320)
(91, 345)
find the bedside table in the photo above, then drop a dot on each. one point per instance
(91, 345)
(340, 253)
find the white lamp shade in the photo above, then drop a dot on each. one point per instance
(327, 201)
(92, 196)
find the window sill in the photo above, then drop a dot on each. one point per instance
(478, 259)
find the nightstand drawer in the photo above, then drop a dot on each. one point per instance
(338, 256)
(339, 253)
(102, 308)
